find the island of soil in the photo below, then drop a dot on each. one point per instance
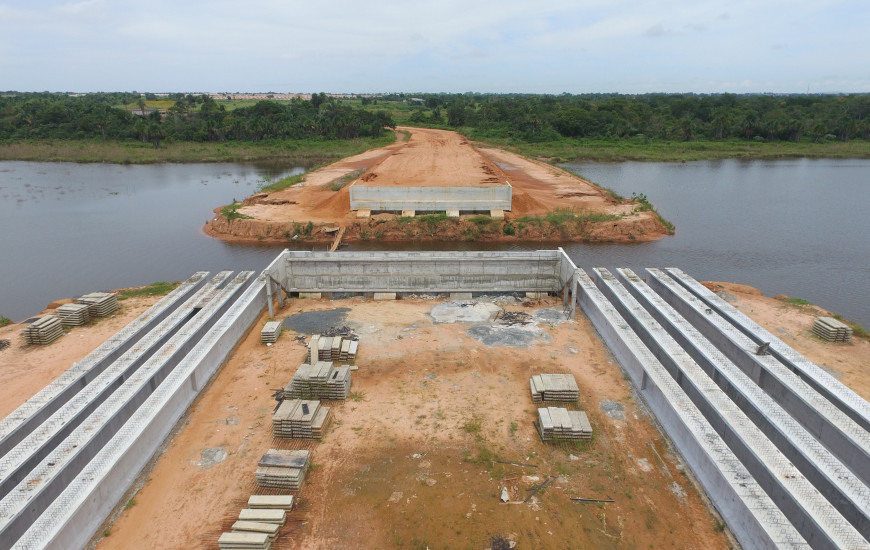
(548, 203)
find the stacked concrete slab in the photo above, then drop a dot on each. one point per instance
(554, 387)
(100, 304)
(560, 424)
(780, 447)
(270, 332)
(282, 469)
(832, 330)
(240, 540)
(73, 315)
(44, 330)
(300, 419)
(320, 380)
(332, 348)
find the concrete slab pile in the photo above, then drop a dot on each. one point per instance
(100, 304)
(270, 332)
(73, 315)
(560, 424)
(43, 331)
(554, 387)
(332, 348)
(283, 502)
(300, 419)
(282, 469)
(275, 516)
(238, 540)
(320, 380)
(72, 477)
(832, 330)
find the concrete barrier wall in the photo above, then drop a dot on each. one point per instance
(73, 518)
(366, 272)
(852, 405)
(41, 406)
(811, 514)
(431, 199)
(752, 516)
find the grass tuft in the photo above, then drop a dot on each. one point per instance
(154, 289)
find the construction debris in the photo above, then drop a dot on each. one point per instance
(270, 332)
(300, 419)
(282, 469)
(43, 331)
(511, 318)
(73, 315)
(832, 330)
(100, 304)
(558, 424)
(319, 381)
(554, 387)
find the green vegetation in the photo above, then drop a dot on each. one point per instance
(5, 321)
(645, 206)
(130, 504)
(472, 426)
(797, 301)
(282, 183)
(857, 330)
(338, 183)
(357, 396)
(154, 289)
(230, 212)
(125, 127)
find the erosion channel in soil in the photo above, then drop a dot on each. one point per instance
(548, 203)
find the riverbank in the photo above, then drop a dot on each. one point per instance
(548, 203)
(137, 152)
(565, 150)
(573, 150)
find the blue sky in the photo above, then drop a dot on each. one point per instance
(550, 46)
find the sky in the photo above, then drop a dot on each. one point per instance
(382, 46)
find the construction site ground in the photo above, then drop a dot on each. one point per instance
(435, 158)
(412, 457)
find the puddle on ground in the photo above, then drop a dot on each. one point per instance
(315, 322)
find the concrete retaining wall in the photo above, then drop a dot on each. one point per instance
(431, 199)
(99, 488)
(436, 272)
(750, 513)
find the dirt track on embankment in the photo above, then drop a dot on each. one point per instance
(439, 158)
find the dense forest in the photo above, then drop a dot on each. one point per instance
(532, 118)
(671, 117)
(184, 118)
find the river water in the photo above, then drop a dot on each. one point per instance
(794, 227)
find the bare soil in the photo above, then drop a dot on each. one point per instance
(436, 158)
(409, 459)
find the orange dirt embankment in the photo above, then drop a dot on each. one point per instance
(440, 158)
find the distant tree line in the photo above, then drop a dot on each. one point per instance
(186, 118)
(673, 117)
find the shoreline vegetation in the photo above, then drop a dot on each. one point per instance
(318, 152)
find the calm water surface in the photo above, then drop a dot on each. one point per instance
(793, 227)
(69, 229)
(796, 227)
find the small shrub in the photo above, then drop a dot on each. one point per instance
(509, 229)
(308, 228)
(230, 212)
(5, 321)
